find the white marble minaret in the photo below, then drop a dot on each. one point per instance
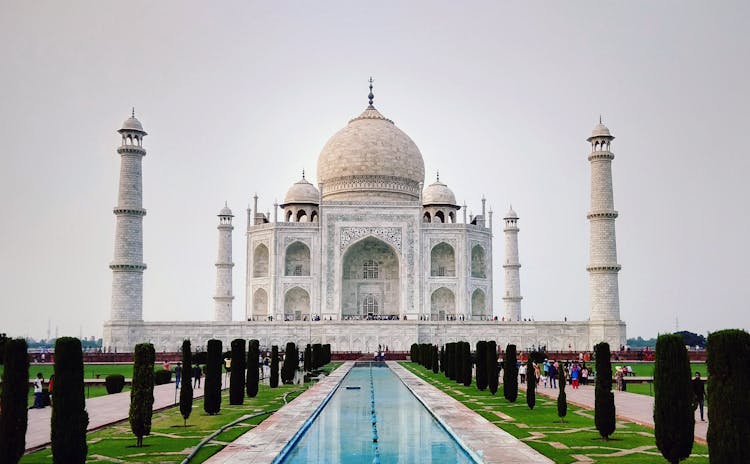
(127, 265)
(603, 267)
(224, 265)
(512, 297)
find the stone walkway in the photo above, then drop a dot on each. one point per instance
(103, 410)
(632, 407)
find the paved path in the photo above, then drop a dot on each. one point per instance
(103, 410)
(628, 406)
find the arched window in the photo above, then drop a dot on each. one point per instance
(426, 217)
(260, 261)
(289, 215)
(301, 216)
(439, 217)
(296, 305)
(370, 305)
(314, 216)
(478, 305)
(442, 261)
(452, 217)
(370, 269)
(297, 260)
(260, 303)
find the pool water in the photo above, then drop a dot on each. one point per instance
(406, 431)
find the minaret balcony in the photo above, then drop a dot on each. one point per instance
(127, 266)
(129, 211)
(131, 150)
(604, 268)
(602, 215)
(601, 155)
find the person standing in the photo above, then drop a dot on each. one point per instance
(574, 375)
(522, 372)
(38, 384)
(197, 376)
(178, 374)
(700, 392)
(585, 375)
(553, 375)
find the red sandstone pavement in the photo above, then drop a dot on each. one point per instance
(628, 406)
(103, 410)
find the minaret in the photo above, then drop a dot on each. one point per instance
(224, 265)
(512, 296)
(603, 267)
(127, 265)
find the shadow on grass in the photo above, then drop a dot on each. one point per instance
(181, 426)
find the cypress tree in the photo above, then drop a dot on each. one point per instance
(481, 365)
(562, 399)
(414, 353)
(729, 404)
(212, 384)
(326, 354)
(674, 417)
(467, 364)
(435, 360)
(458, 356)
(69, 416)
(274, 380)
(253, 354)
(186, 386)
(237, 375)
(141, 391)
(604, 399)
(491, 362)
(510, 374)
(14, 417)
(530, 383)
(308, 358)
(449, 360)
(317, 356)
(289, 366)
(442, 358)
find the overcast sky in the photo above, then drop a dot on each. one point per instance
(239, 97)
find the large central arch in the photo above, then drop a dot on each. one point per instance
(371, 287)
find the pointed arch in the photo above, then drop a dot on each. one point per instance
(478, 304)
(297, 260)
(442, 261)
(478, 267)
(301, 216)
(440, 217)
(260, 261)
(260, 303)
(370, 279)
(427, 217)
(296, 304)
(442, 305)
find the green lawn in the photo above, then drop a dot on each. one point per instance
(170, 441)
(91, 391)
(89, 370)
(646, 369)
(541, 428)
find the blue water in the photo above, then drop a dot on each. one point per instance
(406, 431)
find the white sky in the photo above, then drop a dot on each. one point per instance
(240, 97)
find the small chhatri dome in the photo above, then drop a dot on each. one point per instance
(132, 124)
(370, 160)
(302, 192)
(438, 193)
(600, 130)
(511, 214)
(225, 211)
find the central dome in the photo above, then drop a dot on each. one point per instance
(370, 160)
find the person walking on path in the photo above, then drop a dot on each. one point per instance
(197, 372)
(574, 374)
(38, 384)
(552, 375)
(700, 392)
(178, 374)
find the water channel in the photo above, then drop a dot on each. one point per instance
(373, 418)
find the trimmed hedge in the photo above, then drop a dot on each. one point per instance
(481, 365)
(491, 362)
(142, 391)
(253, 374)
(162, 377)
(273, 382)
(604, 399)
(186, 385)
(114, 383)
(69, 416)
(14, 419)
(237, 374)
(510, 374)
(291, 361)
(212, 384)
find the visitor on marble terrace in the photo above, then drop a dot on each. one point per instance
(390, 317)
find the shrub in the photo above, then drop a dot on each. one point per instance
(466, 363)
(674, 417)
(510, 374)
(237, 375)
(114, 383)
(435, 363)
(69, 417)
(162, 377)
(562, 400)
(481, 365)
(289, 367)
(141, 391)
(414, 353)
(212, 384)
(604, 399)
(728, 401)
(491, 363)
(253, 355)
(530, 383)
(14, 417)
(186, 386)
(273, 382)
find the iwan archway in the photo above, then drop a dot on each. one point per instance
(371, 287)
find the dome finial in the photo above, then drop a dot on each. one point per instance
(132, 112)
(600, 118)
(438, 175)
(303, 173)
(371, 96)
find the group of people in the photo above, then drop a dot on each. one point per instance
(547, 373)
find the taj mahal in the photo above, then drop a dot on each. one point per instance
(367, 256)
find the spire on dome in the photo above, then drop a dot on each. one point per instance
(303, 174)
(371, 97)
(437, 176)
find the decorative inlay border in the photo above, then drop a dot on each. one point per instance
(391, 235)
